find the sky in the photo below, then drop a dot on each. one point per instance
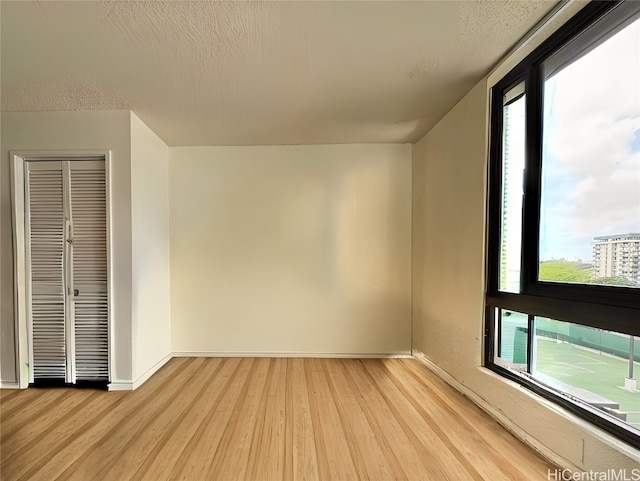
(591, 149)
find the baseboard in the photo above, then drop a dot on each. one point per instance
(151, 371)
(120, 386)
(9, 385)
(135, 384)
(127, 385)
(496, 414)
(340, 355)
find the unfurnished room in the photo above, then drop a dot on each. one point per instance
(319, 240)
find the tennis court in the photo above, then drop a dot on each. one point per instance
(589, 369)
(576, 356)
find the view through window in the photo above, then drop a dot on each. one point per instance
(590, 202)
(597, 367)
(513, 150)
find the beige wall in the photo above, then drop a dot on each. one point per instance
(448, 235)
(22, 131)
(449, 177)
(293, 249)
(7, 362)
(151, 319)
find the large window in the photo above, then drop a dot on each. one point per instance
(563, 277)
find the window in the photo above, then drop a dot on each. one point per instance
(563, 272)
(512, 165)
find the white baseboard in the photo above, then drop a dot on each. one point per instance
(151, 371)
(127, 385)
(496, 414)
(340, 355)
(9, 385)
(120, 386)
(135, 384)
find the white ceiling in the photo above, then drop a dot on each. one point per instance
(258, 73)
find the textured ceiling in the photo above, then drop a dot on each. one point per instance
(258, 73)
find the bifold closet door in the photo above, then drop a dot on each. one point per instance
(45, 216)
(89, 269)
(67, 256)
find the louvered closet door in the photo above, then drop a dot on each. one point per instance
(89, 269)
(46, 246)
(66, 219)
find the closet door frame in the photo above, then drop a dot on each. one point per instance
(20, 272)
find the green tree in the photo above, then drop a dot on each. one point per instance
(614, 281)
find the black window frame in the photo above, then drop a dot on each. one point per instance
(610, 308)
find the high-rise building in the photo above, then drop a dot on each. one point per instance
(617, 256)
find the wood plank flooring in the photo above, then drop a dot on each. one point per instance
(260, 419)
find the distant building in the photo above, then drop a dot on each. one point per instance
(617, 256)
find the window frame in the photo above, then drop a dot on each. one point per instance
(612, 308)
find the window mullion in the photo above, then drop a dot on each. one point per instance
(530, 339)
(532, 175)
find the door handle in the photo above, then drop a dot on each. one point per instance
(76, 292)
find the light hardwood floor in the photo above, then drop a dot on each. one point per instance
(261, 419)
